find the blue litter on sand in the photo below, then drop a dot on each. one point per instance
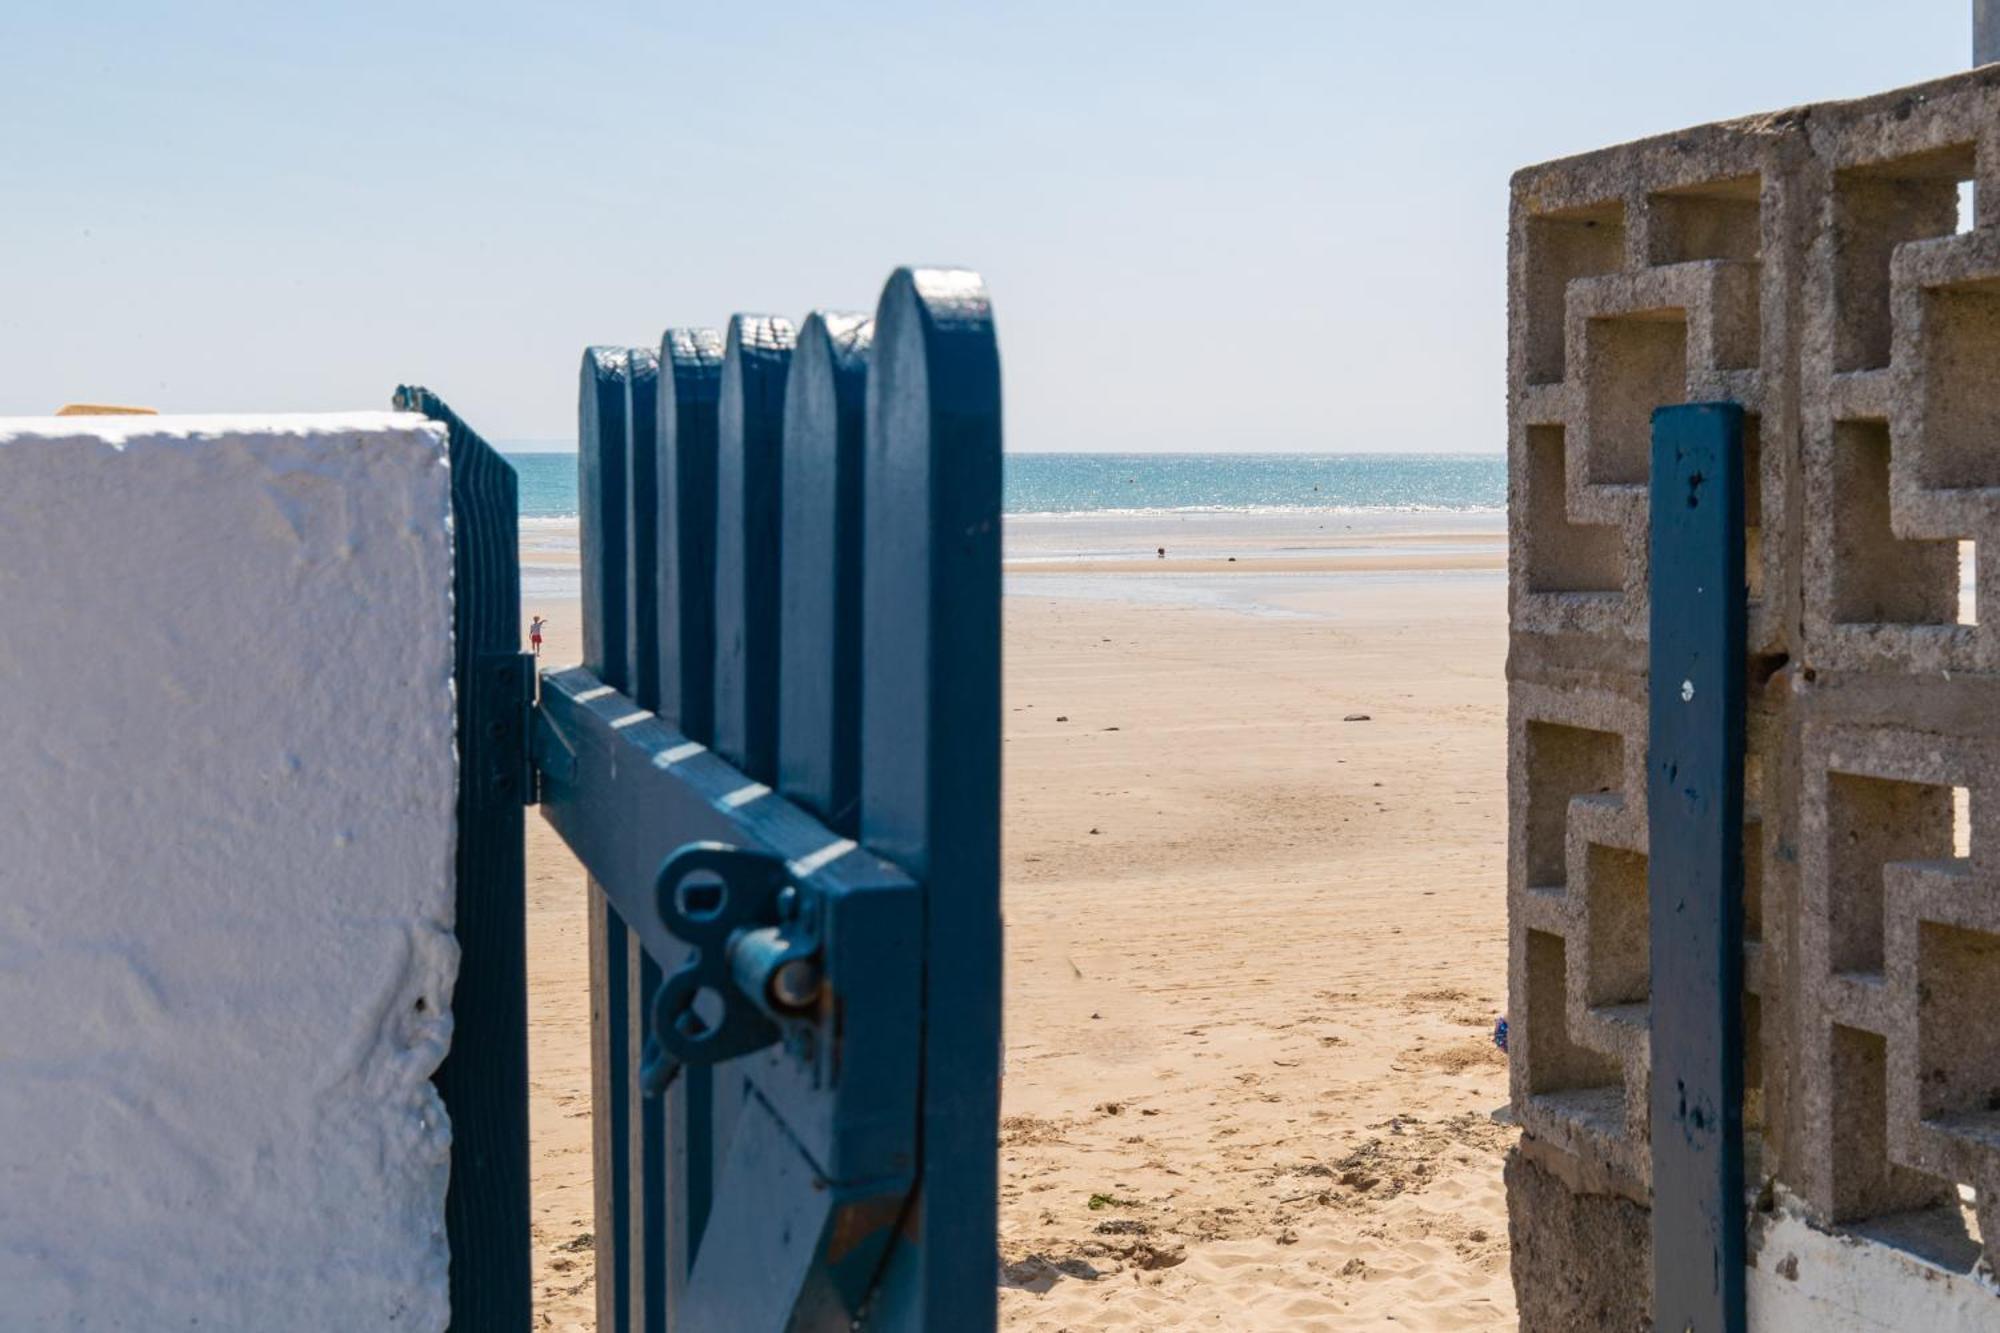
(1500, 1032)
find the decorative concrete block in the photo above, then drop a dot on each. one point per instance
(1813, 265)
(226, 950)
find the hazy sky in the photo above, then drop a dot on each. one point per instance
(1244, 225)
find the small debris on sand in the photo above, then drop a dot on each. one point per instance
(1355, 717)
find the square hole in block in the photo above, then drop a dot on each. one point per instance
(1958, 1037)
(1864, 1181)
(1968, 583)
(1636, 363)
(1960, 444)
(1578, 243)
(1869, 823)
(1877, 577)
(1968, 207)
(1718, 220)
(1875, 209)
(1564, 762)
(1555, 1062)
(1564, 556)
(1620, 950)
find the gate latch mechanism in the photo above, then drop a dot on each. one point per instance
(755, 975)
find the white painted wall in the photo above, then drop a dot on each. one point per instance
(1803, 1280)
(226, 834)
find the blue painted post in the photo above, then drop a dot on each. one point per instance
(1694, 807)
(601, 535)
(930, 751)
(819, 695)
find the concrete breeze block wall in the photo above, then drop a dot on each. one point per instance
(1811, 266)
(226, 838)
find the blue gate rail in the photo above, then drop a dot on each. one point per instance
(1694, 806)
(791, 582)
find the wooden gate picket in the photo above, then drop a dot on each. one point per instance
(601, 540)
(825, 433)
(483, 1081)
(791, 555)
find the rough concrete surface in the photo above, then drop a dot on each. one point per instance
(226, 951)
(1580, 1258)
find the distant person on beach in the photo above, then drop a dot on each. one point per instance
(535, 634)
(1163, 553)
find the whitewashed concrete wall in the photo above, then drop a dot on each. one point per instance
(1804, 1280)
(226, 834)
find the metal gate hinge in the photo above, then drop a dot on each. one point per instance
(505, 685)
(756, 961)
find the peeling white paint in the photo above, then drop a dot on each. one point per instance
(226, 836)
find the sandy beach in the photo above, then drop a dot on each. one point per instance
(1255, 913)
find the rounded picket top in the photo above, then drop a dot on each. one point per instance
(750, 414)
(931, 590)
(819, 687)
(690, 390)
(692, 360)
(601, 505)
(930, 752)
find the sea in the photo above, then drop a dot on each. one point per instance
(1171, 484)
(1070, 508)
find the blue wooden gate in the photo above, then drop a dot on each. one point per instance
(779, 764)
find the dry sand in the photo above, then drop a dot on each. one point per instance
(1254, 952)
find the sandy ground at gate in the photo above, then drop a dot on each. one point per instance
(1254, 950)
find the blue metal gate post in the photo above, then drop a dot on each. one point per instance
(1694, 810)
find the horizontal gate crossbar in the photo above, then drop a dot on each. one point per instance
(626, 791)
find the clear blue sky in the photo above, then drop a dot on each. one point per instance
(1245, 225)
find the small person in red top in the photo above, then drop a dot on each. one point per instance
(535, 634)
